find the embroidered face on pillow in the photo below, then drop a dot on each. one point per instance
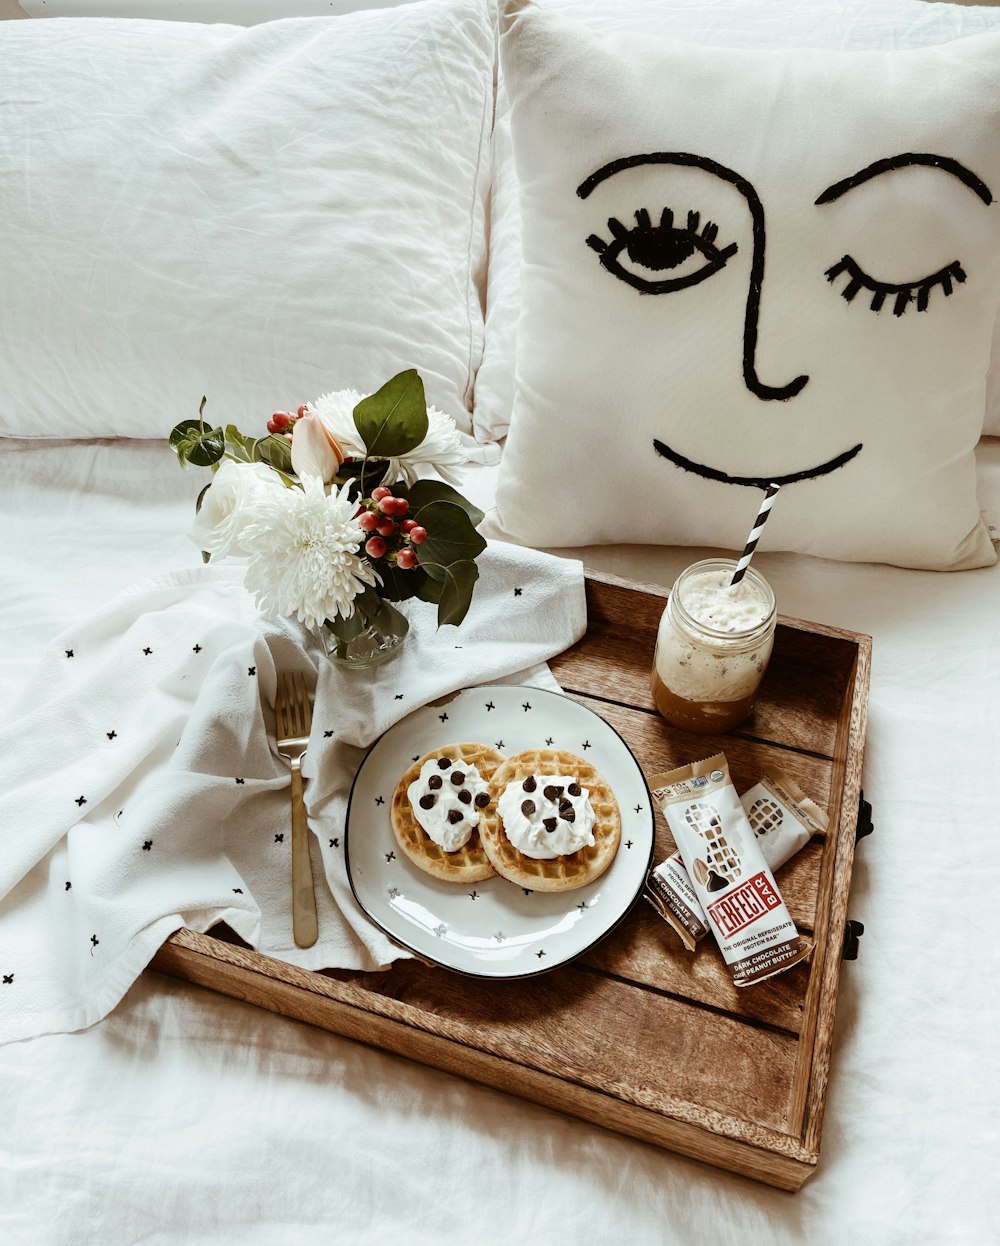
(744, 267)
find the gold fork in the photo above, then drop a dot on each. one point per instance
(293, 719)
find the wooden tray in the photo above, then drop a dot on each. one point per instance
(639, 1035)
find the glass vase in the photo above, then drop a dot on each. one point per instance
(369, 648)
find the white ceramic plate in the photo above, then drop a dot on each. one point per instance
(494, 929)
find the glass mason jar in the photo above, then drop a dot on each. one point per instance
(713, 646)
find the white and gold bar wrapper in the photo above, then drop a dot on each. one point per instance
(783, 819)
(727, 871)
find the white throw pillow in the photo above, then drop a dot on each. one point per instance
(257, 215)
(846, 24)
(746, 266)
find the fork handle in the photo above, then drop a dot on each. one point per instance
(305, 926)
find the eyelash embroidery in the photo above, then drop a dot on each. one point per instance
(661, 248)
(905, 294)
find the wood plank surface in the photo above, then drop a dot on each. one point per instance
(638, 1034)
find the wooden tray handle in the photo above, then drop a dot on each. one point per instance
(852, 933)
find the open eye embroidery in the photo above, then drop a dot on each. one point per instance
(634, 254)
(904, 294)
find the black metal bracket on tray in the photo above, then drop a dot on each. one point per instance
(865, 823)
(853, 930)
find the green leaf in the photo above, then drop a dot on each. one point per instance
(194, 442)
(457, 583)
(401, 585)
(367, 474)
(451, 536)
(389, 621)
(241, 447)
(276, 452)
(423, 492)
(393, 420)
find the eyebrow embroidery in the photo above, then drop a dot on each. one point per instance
(687, 159)
(903, 160)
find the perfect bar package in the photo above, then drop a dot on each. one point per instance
(728, 875)
(783, 819)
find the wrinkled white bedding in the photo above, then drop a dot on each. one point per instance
(187, 1117)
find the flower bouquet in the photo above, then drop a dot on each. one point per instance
(334, 518)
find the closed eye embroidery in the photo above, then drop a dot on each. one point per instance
(634, 254)
(904, 294)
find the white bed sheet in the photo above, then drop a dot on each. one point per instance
(187, 1117)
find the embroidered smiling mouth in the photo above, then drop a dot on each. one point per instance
(755, 482)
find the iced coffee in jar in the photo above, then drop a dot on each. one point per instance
(713, 646)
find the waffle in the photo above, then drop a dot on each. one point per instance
(560, 873)
(468, 864)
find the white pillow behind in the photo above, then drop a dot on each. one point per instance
(257, 215)
(752, 266)
(846, 24)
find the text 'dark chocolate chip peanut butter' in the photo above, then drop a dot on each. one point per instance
(728, 872)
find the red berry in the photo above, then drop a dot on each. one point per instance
(406, 559)
(418, 535)
(385, 527)
(301, 411)
(387, 504)
(375, 546)
(272, 427)
(280, 420)
(407, 525)
(368, 522)
(380, 493)
(399, 506)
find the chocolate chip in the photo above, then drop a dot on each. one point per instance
(444, 762)
(465, 796)
(482, 800)
(528, 808)
(458, 777)
(427, 802)
(454, 815)
(552, 792)
(434, 781)
(574, 789)
(715, 882)
(529, 783)
(550, 824)
(567, 812)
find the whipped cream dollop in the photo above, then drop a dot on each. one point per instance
(547, 815)
(446, 798)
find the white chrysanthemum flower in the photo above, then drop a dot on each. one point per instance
(224, 513)
(440, 450)
(304, 560)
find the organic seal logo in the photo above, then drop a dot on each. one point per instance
(717, 776)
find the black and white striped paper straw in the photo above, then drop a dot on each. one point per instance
(755, 531)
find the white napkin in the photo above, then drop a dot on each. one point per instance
(141, 789)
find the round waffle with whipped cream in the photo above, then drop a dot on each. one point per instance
(564, 872)
(469, 862)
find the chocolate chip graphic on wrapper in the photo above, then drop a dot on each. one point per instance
(716, 882)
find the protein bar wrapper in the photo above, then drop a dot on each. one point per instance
(783, 819)
(727, 870)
